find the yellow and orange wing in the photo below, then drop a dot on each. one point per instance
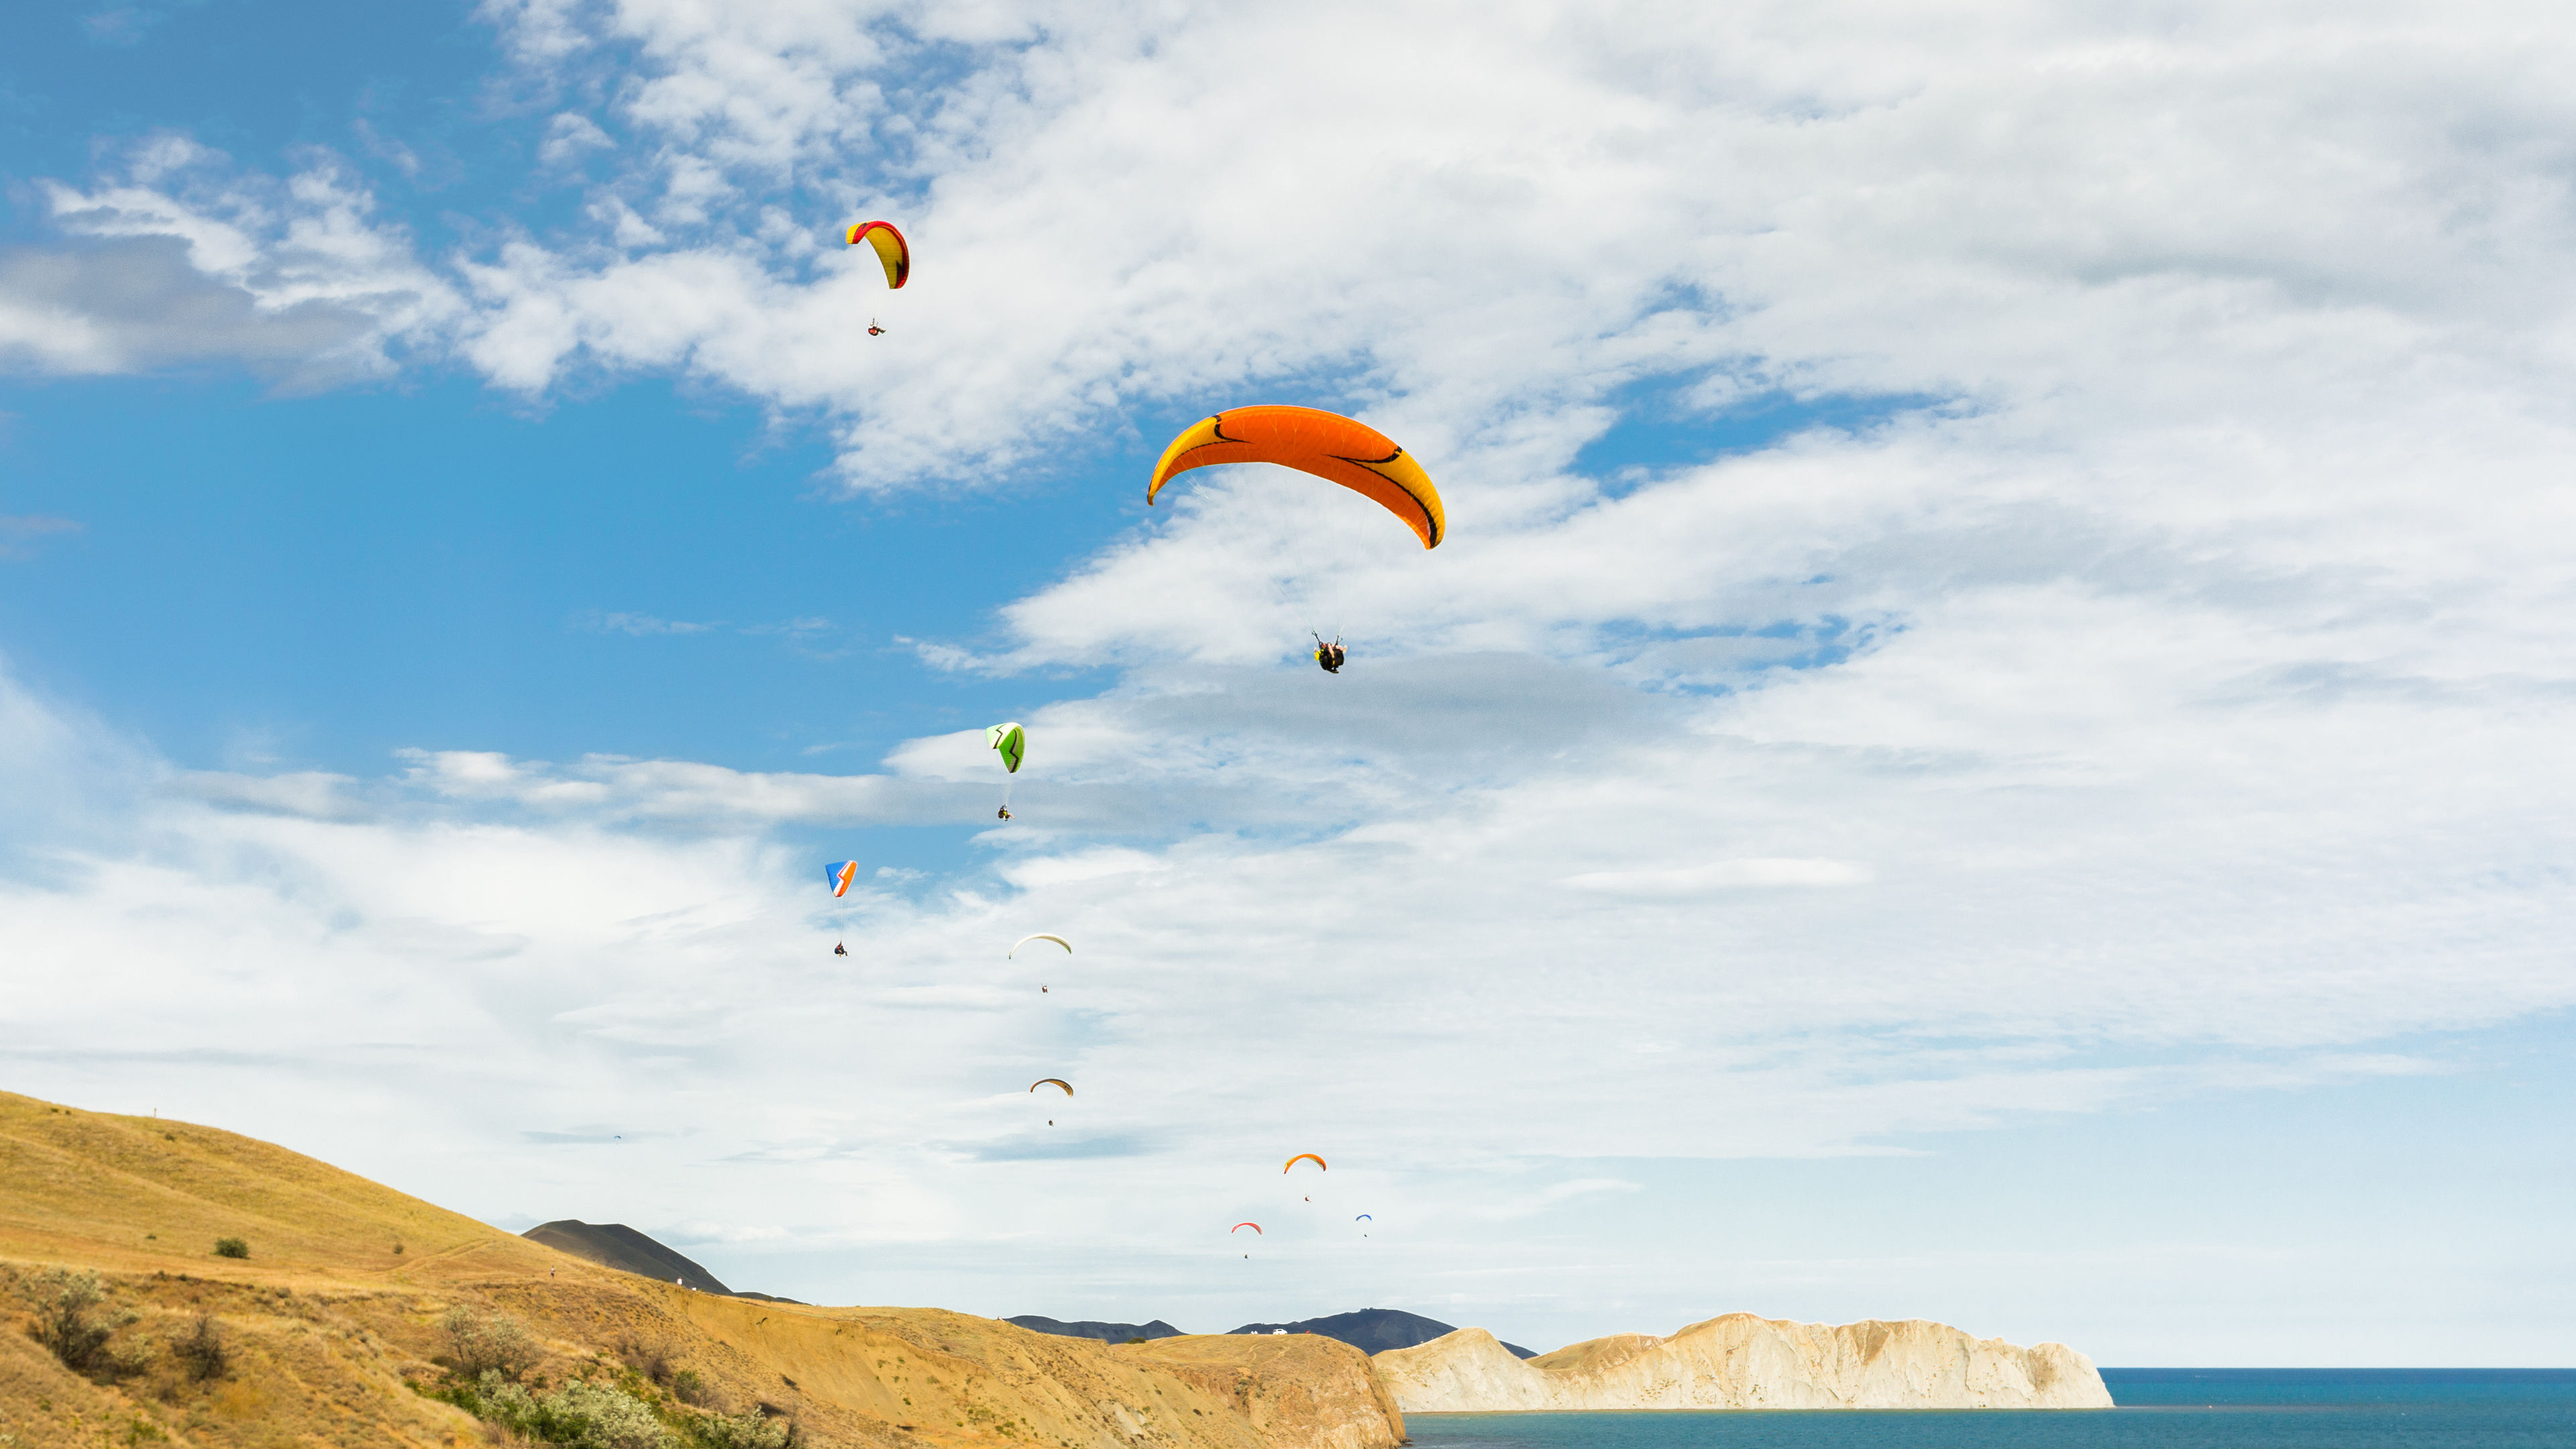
(1328, 445)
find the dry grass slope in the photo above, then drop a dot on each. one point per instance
(330, 1327)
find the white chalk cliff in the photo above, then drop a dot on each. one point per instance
(1742, 1361)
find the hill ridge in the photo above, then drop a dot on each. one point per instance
(1088, 1328)
(1372, 1330)
(332, 1325)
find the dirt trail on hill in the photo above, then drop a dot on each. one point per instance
(334, 1318)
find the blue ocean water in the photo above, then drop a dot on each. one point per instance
(2159, 1409)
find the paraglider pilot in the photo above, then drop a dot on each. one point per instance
(1330, 656)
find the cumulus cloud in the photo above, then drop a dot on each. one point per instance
(1693, 880)
(607, 622)
(133, 305)
(190, 259)
(2161, 693)
(1775, 199)
(2065, 219)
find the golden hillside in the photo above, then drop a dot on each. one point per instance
(331, 1323)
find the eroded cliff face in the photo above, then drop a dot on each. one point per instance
(1300, 1390)
(1741, 1361)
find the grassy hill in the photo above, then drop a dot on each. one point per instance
(337, 1328)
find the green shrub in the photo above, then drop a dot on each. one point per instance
(581, 1415)
(585, 1415)
(231, 1248)
(484, 1344)
(688, 1388)
(740, 1431)
(66, 1305)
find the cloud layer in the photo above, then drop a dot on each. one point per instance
(2160, 697)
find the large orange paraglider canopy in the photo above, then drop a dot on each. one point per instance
(890, 248)
(1327, 445)
(1054, 1081)
(1304, 1157)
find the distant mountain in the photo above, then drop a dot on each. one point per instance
(1372, 1330)
(1105, 1332)
(615, 1245)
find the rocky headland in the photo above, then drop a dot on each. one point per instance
(1742, 1361)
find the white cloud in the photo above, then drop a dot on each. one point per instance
(605, 622)
(195, 259)
(2173, 690)
(1720, 875)
(568, 136)
(1167, 208)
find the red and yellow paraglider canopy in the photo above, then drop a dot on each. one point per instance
(1328, 445)
(1304, 1157)
(890, 249)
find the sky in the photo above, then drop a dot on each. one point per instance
(1993, 737)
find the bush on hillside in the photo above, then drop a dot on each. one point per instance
(741, 1431)
(585, 1415)
(483, 1344)
(231, 1248)
(67, 1305)
(652, 1360)
(688, 1388)
(202, 1351)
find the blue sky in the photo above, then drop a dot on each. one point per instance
(1989, 741)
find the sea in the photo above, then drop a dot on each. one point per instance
(2159, 1408)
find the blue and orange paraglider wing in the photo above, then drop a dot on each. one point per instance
(1328, 445)
(890, 247)
(838, 876)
